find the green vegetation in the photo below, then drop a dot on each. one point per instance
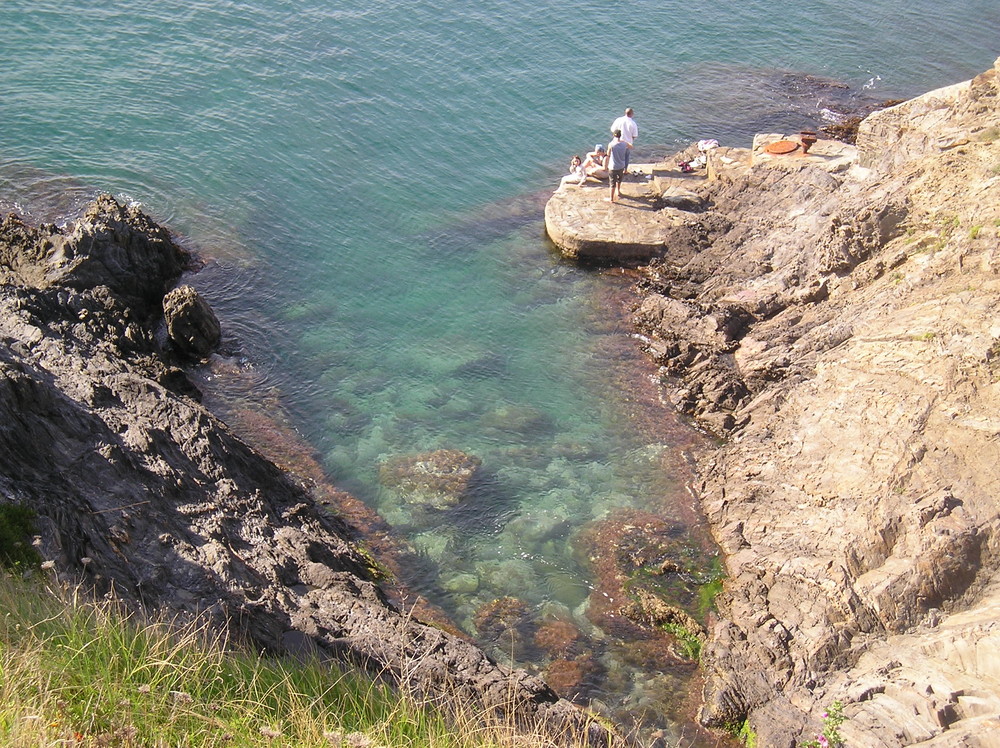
(16, 529)
(379, 571)
(85, 674)
(988, 135)
(830, 737)
(690, 643)
(743, 732)
(709, 587)
(747, 735)
(974, 232)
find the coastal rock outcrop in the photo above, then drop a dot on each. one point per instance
(192, 326)
(843, 335)
(140, 491)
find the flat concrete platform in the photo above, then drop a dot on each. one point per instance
(829, 155)
(585, 226)
(656, 212)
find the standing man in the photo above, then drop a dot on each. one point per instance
(626, 123)
(618, 150)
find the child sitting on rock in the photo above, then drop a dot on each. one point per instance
(576, 174)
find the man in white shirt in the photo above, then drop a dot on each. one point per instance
(626, 123)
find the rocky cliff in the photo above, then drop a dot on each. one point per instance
(840, 326)
(141, 492)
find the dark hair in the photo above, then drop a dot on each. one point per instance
(617, 133)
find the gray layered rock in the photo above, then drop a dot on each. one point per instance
(843, 334)
(100, 437)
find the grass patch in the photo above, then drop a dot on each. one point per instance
(78, 673)
(988, 135)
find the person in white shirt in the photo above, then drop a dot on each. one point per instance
(626, 123)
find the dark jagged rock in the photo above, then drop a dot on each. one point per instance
(192, 326)
(123, 468)
(112, 245)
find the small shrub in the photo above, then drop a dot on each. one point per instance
(743, 732)
(16, 528)
(974, 232)
(830, 737)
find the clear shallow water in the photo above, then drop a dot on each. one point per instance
(370, 182)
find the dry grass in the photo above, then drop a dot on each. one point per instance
(76, 673)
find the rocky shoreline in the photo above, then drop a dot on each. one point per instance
(141, 492)
(835, 320)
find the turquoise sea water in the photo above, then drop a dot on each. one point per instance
(368, 182)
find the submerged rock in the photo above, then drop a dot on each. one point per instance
(506, 623)
(636, 556)
(441, 478)
(559, 638)
(574, 678)
(521, 419)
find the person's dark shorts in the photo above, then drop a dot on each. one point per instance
(616, 177)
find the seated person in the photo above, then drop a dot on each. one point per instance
(596, 163)
(576, 174)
